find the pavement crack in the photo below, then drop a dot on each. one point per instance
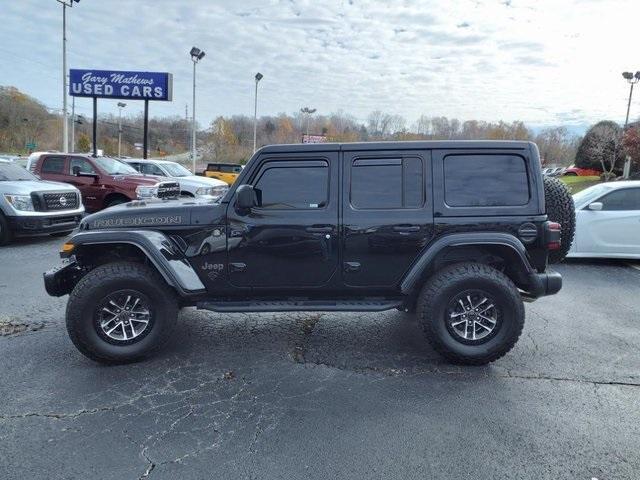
(309, 323)
(58, 415)
(150, 464)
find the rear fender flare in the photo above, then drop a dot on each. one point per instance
(411, 280)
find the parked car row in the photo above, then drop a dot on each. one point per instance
(51, 195)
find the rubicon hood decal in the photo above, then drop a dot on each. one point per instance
(137, 221)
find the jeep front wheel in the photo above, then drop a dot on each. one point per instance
(121, 312)
(471, 313)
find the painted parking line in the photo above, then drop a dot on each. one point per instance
(635, 265)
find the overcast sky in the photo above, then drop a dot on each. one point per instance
(543, 62)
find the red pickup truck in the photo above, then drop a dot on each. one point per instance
(102, 181)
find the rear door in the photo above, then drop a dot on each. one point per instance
(387, 215)
(54, 168)
(291, 239)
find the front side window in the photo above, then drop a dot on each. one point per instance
(53, 165)
(624, 199)
(151, 169)
(83, 164)
(382, 183)
(294, 187)
(495, 180)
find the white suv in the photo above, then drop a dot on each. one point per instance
(190, 185)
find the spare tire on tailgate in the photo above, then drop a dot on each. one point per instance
(560, 208)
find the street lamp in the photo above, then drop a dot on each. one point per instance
(196, 56)
(258, 77)
(308, 112)
(632, 79)
(65, 121)
(121, 105)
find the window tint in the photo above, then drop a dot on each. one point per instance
(53, 165)
(625, 199)
(294, 187)
(387, 183)
(485, 180)
(83, 163)
(151, 169)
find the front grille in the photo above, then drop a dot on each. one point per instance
(169, 190)
(52, 201)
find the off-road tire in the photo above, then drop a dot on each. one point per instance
(560, 208)
(6, 235)
(443, 286)
(109, 278)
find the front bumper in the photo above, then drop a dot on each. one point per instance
(541, 284)
(43, 224)
(60, 280)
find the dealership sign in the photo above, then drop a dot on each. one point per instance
(120, 84)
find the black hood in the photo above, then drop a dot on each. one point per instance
(156, 214)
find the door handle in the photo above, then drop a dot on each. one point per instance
(320, 229)
(406, 228)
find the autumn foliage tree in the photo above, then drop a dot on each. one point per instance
(601, 149)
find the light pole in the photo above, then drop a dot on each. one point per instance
(121, 105)
(632, 79)
(308, 112)
(196, 56)
(75, 119)
(65, 120)
(258, 77)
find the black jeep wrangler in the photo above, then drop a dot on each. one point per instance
(457, 232)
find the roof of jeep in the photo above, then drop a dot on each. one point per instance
(413, 145)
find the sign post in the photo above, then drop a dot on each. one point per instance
(117, 84)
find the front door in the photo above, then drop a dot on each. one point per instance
(614, 230)
(92, 191)
(387, 215)
(290, 239)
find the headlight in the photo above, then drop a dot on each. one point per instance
(144, 191)
(219, 191)
(204, 191)
(20, 202)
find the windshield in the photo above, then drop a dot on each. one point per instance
(115, 167)
(176, 170)
(589, 194)
(10, 172)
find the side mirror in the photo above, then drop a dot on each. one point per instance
(597, 206)
(246, 197)
(76, 170)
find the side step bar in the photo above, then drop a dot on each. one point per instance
(302, 306)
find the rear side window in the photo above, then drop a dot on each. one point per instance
(53, 165)
(381, 183)
(294, 187)
(485, 181)
(625, 199)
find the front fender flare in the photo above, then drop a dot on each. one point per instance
(412, 279)
(157, 247)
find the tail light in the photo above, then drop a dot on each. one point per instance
(553, 235)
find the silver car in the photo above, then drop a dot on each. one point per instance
(30, 206)
(190, 185)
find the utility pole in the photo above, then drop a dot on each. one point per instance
(632, 79)
(196, 56)
(73, 124)
(121, 105)
(308, 112)
(65, 118)
(258, 77)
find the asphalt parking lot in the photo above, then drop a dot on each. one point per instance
(310, 395)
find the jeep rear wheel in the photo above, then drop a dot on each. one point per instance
(561, 209)
(121, 312)
(471, 313)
